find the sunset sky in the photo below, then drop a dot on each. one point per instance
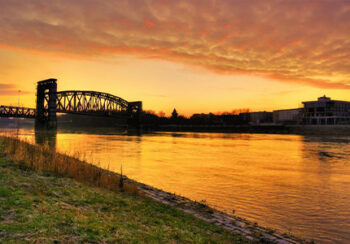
(196, 56)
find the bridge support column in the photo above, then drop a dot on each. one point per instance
(46, 104)
(135, 112)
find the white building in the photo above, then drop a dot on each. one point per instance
(287, 116)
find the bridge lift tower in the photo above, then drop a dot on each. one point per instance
(46, 117)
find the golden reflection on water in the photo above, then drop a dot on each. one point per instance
(293, 183)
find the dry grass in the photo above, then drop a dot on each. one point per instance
(44, 159)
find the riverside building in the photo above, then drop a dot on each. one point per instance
(326, 111)
(287, 116)
(255, 118)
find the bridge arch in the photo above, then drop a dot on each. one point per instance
(88, 102)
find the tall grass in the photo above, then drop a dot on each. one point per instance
(43, 159)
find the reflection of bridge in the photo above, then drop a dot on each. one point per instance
(49, 102)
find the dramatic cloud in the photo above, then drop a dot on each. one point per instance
(307, 42)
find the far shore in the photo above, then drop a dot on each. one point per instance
(261, 128)
(267, 128)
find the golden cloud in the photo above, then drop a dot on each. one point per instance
(306, 42)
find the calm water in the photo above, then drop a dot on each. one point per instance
(296, 184)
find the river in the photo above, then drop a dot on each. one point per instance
(296, 184)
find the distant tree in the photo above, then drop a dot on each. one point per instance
(161, 114)
(149, 112)
(233, 112)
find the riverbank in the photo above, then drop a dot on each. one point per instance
(41, 207)
(33, 199)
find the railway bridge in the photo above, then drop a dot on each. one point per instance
(49, 102)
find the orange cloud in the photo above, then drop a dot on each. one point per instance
(10, 90)
(292, 41)
(149, 23)
(7, 86)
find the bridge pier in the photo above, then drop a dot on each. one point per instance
(46, 104)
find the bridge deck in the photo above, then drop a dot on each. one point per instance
(17, 112)
(22, 112)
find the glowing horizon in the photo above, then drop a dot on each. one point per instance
(210, 57)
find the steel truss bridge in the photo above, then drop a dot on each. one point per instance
(50, 101)
(87, 102)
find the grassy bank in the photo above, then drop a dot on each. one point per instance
(38, 206)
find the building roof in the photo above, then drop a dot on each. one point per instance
(325, 99)
(290, 109)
